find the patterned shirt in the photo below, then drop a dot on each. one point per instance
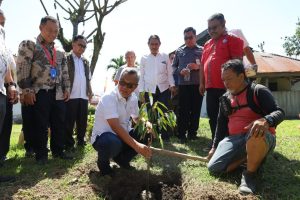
(33, 68)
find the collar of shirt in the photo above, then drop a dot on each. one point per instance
(74, 56)
(41, 40)
(119, 96)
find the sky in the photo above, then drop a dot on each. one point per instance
(129, 25)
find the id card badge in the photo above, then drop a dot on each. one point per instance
(53, 73)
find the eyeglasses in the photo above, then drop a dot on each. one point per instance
(128, 85)
(188, 37)
(82, 46)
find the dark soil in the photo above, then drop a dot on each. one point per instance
(131, 184)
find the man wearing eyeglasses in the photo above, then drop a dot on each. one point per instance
(219, 49)
(187, 64)
(81, 92)
(44, 80)
(113, 136)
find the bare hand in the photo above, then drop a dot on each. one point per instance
(29, 99)
(193, 66)
(12, 94)
(144, 150)
(202, 89)
(210, 153)
(184, 72)
(173, 91)
(66, 96)
(258, 128)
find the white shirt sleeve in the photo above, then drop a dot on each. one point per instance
(142, 74)
(109, 107)
(238, 33)
(170, 72)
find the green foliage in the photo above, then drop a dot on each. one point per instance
(116, 63)
(90, 120)
(158, 115)
(291, 44)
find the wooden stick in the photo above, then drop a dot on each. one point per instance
(177, 154)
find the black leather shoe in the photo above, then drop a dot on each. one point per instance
(42, 161)
(81, 143)
(63, 156)
(7, 178)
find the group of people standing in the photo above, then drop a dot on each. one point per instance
(242, 115)
(55, 90)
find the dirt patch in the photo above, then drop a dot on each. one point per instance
(213, 191)
(132, 185)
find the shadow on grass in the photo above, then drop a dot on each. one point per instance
(278, 178)
(28, 173)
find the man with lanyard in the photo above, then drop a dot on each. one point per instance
(219, 49)
(244, 132)
(81, 93)
(43, 77)
(156, 76)
(11, 92)
(187, 63)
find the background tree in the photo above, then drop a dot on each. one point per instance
(115, 64)
(81, 11)
(291, 44)
(261, 46)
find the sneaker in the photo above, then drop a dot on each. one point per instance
(248, 183)
(108, 172)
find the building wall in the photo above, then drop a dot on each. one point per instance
(289, 102)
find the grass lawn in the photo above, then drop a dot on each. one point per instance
(78, 179)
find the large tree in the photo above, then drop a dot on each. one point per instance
(81, 11)
(291, 44)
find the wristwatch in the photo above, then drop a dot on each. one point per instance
(270, 120)
(9, 84)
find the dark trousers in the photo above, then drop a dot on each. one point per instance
(28, 126)
(109, 145)
(77, 111)
(48, 112)
(212, 106)
(6, 129)
(163, 97)
(190, 102)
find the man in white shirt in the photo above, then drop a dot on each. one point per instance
(11, 92)
(130, 62)
(156, 75)
(112, 134)
(81, 92)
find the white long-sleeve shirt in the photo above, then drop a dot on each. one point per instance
(155, 71)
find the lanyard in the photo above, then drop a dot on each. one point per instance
(49, 57)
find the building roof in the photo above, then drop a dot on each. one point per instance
(274, 64)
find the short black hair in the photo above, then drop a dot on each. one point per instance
(190, 29)
(217, 16)
(153, 37)
(78, 37)
(1, 12)
(236, 65)
(47, 18)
